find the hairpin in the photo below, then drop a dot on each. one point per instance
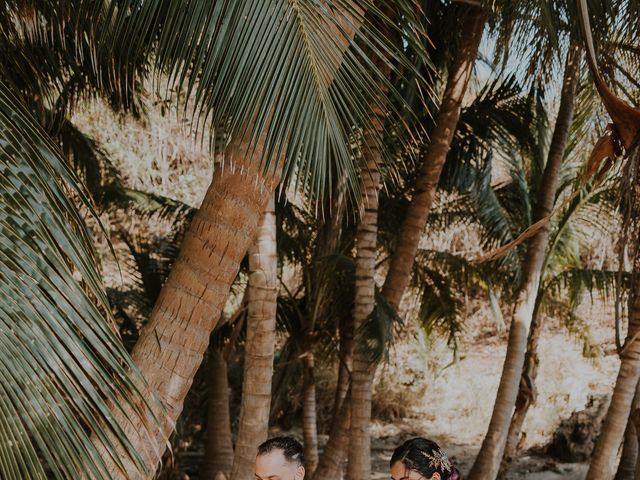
(439, 460)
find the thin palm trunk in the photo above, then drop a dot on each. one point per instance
(635, 416)
(218, 456)
(472, 25)
(628, 459)
(488, 460)
(334, 454)
(327, 243)
(605, 453)
(359, 466)
(172, 344)
(335, 451)
(309, 413)
(527, 392)
(259, 348)
(344, 368)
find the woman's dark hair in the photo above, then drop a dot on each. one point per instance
(425, 457)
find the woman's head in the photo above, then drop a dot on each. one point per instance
(419, 459)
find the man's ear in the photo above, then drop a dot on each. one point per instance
(299, 473)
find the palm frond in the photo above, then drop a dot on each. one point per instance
(444, 280)
(51, 54)
(376, 335)
(575, 325)
(62, 364)
(578, 280)
(298, 75)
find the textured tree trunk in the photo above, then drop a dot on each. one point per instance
(635, 418)
(490, 455)
(527, 392)
(334, 454)
(471, 26)
(327, 243)
(218, 456)
(259, 348)
(344, 369)
(309, 414)
(335, 451)
(605, 453)
(359, 466)
(172, 344)
(629, 457)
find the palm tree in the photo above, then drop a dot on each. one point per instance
(627, 122)
(561, 268)
(218, 59)
(312, 315)
(259, 348)
(562, 259)
(321, 89)
(620, 408)
(359, 455)
(629, 456)
(218, 457)
(490, 455)
(471, 18)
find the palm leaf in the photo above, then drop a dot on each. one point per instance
(578, 280)
(51, 54)
(298, 75)
(376, 335)
(443, 280)
(62, 365)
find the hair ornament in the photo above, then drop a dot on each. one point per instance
(439, 460)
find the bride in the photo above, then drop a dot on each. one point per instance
(421, 459)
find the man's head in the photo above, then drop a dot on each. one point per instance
(280, 458)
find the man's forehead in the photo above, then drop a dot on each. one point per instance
(272, 461)
(275, 455)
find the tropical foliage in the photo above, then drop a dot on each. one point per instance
(345, 136)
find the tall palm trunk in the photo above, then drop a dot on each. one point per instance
(471, 26)
(327, 243)
(490, 455)
(309, 413)
(527, 391)
(218, 456)
(620, 408)
(628, 459)
(359, 466)
(605, 453)
(259, 349)
(334, 453)
(172, 344)
(635, 418)
(344, 369)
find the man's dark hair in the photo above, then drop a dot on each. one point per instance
(291, 449)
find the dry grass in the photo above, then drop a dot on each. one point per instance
(454, 401)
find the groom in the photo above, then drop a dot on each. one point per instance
(280, 458)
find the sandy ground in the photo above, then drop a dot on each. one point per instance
(453, 405)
